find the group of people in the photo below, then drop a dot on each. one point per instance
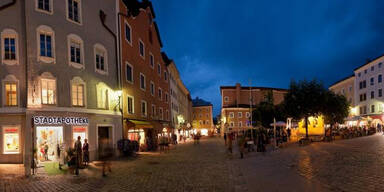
(351, 132)
(196, 138)
(259, 138)
(80, 156)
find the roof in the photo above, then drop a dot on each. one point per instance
(198, 102)
(369, 62)
(341, 80)
(247, 88)
(166, 59)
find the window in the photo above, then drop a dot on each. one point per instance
(380, 78)
(141, 49)
(143, 108)
(372, 94)
(101, 59)
(46, 44)
(239, 114)
(165, 75)
(166, 97)
(44, 5)
(232, 124)
(364, 84)
(11, 140)
(128, 33)
(372, 68)
(151, 61)
(152, 88)
(130, 104)
(365, 96)
(372, 108)
(74, 10)
(9, 39)
(142, 81)
(159, 69)
(153, 110)
(380, 64)
(102, 96)
(365, 71)
(160, 93)
(372, 80)
(129, 73)
(359, 74)
(75, 51)
(247, 114)
(360, 85)
(78, 95)
(48, 91)
(10, 90)
(232, 115)
(226, 98)
(161, 113)
(240, 124)
(207, 122)
(380, 92)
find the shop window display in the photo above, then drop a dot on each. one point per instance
(79, 131)
(49, 141)
(11, 140)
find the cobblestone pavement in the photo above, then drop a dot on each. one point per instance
(347, 165)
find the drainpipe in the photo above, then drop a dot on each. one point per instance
(103, 16)
(7, 5)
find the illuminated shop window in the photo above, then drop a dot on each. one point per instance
(79, 131)
(11, 140)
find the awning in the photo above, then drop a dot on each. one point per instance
(139, 124)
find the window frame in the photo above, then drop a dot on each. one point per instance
(151, 60)
(10, 33)
(54, 92)
(73, 38)
(231, 114)
(3, 128)
(101, 87)
(133, 104)
(80, 12)
(141, 42)
(126, 77)
(76, 81)
(10, 79)
(160, 93)
(99, 48)
(161, 113)
(130, 32)
(145, 83)
(50, 12)
(152, 88)
(46, 30)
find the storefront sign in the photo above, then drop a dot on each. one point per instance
(43, 120)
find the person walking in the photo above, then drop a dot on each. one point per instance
(86, 152)
(78, 152)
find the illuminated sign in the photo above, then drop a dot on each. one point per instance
(43, 120)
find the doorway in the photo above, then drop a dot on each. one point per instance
(104, 138)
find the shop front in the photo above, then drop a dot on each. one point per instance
(11, 139)
(142, 132)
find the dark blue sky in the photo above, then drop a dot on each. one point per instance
(220, 42)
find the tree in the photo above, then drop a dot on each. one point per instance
(265, 111)
(305, 99)
(336, 108)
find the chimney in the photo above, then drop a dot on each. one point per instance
(238, 89)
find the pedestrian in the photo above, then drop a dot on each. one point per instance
(289, 134)
(78, 153)
(230, 139)
(46, 151)
(105, 155)
(86, 152)
(241, 142)
(225, 139)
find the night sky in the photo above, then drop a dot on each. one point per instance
(219, 42)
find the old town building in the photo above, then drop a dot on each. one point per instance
(346, 87)
(145, 79)
(238, 101)
(202, 117)
(180, 98)
(58, 78)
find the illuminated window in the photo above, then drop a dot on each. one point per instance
(130, 104)
(101, 59)
(144, 108)
(102, 98)
(74, 10)
(11, 140)
(78, 95)
(10, 93)
(48, 91)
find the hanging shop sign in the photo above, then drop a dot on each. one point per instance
(47, 120)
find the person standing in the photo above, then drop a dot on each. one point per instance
(289, 134)
(78, 152)
(86, 152)
(46, 151)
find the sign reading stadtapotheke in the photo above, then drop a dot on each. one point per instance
(44, 120)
